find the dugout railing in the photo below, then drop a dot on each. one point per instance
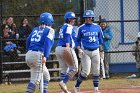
(124, 66)
(18, 70)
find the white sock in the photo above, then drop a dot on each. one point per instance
(96, 88)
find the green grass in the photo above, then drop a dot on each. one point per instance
(87, 84)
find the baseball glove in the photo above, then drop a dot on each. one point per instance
(68, 57)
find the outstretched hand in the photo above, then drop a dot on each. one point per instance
(43, 60)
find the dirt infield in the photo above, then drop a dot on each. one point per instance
(132, 89)
(112, 85)
(121, 90)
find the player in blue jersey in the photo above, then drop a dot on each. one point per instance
(88, 41)
(39, 44)
(65, 45)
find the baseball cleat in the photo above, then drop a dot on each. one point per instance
(76, 90)
(96, 91)
(64, 92)
(63, 87)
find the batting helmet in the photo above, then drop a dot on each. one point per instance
(138, 34)
(69, 15)
(88, 13)
(46, 18)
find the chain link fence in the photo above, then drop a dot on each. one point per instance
(123, 17)
(124, 20)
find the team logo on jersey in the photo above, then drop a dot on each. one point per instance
(83, 31)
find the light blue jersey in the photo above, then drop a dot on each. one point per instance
(107, 31)
(41, 40)
(67, 35)
(90, 36)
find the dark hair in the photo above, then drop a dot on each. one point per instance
(28, 26)
(21, 23)
(138, 38)
(67, 20)
(89, 17)
(103, 20)
(5, 26)
(137, 42)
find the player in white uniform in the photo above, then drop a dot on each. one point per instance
(66, 40)
(39, 44)
(88, 41)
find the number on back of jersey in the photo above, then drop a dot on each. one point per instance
(61, 33)
(36, 36)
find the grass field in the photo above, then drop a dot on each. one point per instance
(87, 84)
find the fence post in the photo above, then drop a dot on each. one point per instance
(82, 9)
(1, 60)
(1, 12)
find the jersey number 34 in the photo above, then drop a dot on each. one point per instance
(92, 39)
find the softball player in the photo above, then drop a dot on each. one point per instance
(39, 44)
(67, 36)
(88, 41)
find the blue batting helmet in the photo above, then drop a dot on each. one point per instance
(88, 13)
(69, 15)
(46, 18)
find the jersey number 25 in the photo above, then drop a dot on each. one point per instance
(36, 36)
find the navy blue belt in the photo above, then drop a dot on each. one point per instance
(91, 49)
(63, 45)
